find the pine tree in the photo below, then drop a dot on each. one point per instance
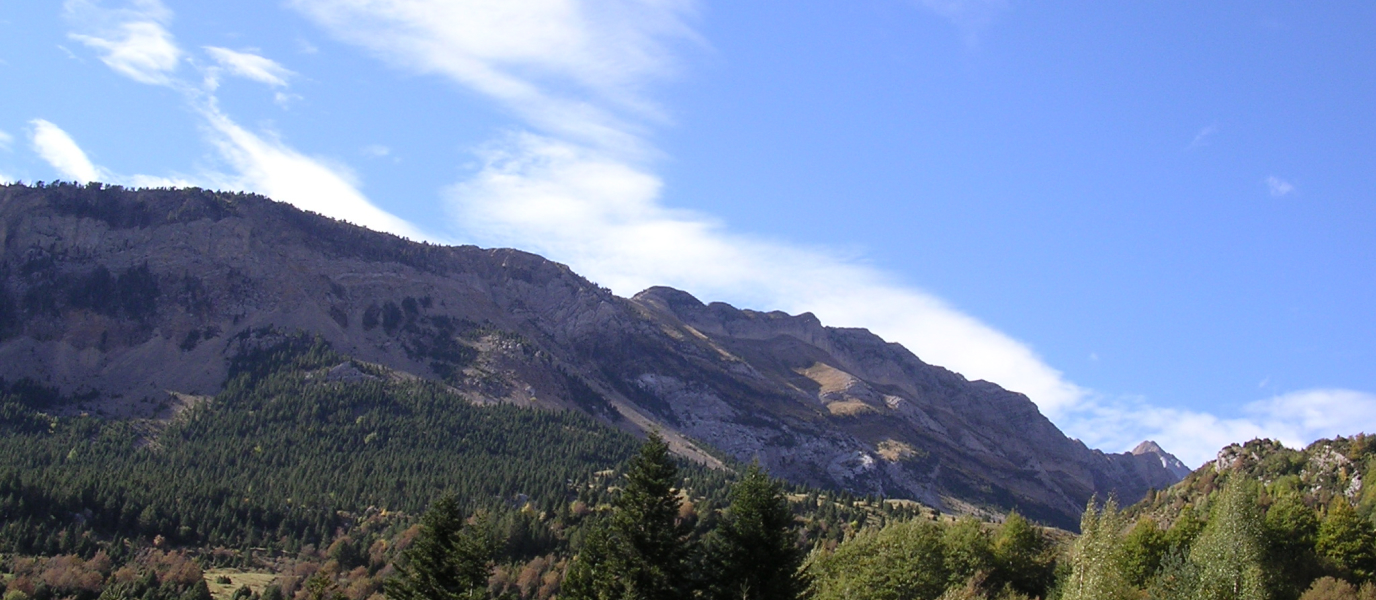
(753, 554)
(447, 561)
(642, 551)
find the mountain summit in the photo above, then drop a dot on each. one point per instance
(138, 301)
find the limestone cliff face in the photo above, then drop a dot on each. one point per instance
(136, 301)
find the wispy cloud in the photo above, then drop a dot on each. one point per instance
(266, 165)
(6, 140)
(376, 151)
(577, 70)
(1278, 187)
(61, 152)
(259, 163)
(969, 16)
(1202, 138)
(250, 66)
(133, 41)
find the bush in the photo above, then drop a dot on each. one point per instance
(1329, 588)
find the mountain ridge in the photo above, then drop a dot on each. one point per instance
(136, 298)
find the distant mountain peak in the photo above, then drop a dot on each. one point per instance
(1168, 460)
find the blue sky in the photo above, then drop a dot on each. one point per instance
(1155, 219)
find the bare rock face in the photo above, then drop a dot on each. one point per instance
(131, 298)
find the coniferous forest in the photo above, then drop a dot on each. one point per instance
(296, 483)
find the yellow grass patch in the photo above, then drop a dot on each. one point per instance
(222, 591)
(894, 450)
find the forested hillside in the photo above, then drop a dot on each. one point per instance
(310, 457)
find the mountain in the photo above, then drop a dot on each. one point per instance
(138, 301)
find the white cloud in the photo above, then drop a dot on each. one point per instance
(262, 165)
(1278, 187)
(5, 140)
(1204, 136)
(250, 66)
(133, 41)
(573, 69)
(148, 54)
(59, 150)
(270, 167)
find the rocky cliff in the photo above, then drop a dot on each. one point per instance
(135, 301)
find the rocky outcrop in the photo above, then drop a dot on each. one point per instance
(125, 297)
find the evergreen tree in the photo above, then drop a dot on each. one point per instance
(753, 554)
(1346, 543)
(1176, 579)
(447, 561)
(642, 552)
(1229, 552)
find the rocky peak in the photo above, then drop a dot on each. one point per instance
(1172, 464)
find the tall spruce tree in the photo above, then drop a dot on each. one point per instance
(753, 554)
(641, 552)
(447, 561)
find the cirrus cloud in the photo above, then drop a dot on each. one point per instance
(250, 66)
(133, 41)
(60, 151)
(261, 163)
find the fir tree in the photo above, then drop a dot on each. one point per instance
(642, 552)
(753, 554)
(447, 561)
